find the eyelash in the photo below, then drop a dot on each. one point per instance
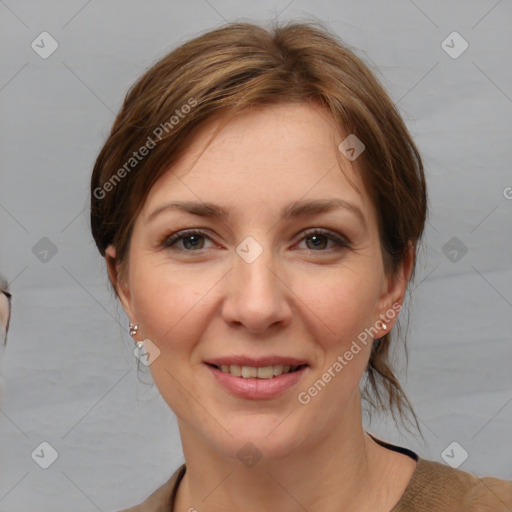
(342, 242)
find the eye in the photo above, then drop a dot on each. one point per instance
(192, 239)
(320, 238)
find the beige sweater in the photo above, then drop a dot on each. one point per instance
(433, 487)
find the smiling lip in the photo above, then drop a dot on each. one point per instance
(256, 388)
(255, 362)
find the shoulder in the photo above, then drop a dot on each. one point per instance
(435, 486)
(162, 499)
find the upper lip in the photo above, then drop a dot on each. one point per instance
(257, 362)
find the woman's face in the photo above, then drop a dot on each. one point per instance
(272, 281)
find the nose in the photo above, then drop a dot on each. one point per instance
(256, 294)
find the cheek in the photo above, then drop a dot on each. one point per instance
(164, 302)
(343, 304)
(343, 308)
(171, 309)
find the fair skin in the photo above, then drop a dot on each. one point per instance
(302, 297)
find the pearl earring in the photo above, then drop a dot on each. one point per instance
(133, 331)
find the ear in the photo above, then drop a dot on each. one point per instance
(394, 288)
(121, 286)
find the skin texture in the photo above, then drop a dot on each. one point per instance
(302, 297)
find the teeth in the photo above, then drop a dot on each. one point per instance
(262, 372)
(249, 372)
(235, 370)
(265, 372)
(278, 369)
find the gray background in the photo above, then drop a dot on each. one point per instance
(70, 375)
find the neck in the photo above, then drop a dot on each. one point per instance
(341, 467)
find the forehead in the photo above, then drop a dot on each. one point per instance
(269, 156)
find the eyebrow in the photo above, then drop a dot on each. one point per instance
(301, 208)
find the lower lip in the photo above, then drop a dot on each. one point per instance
(254, 389)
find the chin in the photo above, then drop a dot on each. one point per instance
(261, 436)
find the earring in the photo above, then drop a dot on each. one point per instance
(384, 326)
(133, 331)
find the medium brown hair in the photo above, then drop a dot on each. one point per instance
(241, 66)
